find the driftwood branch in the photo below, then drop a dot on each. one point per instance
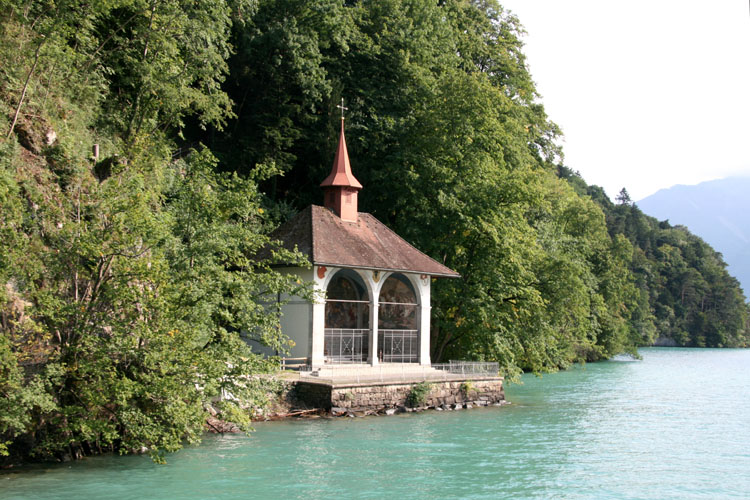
(213, 427)
(295, 413)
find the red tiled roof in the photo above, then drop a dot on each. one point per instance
(366, 244)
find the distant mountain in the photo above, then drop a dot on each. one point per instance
(717, 211)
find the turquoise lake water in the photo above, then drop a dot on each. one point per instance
(675, 425)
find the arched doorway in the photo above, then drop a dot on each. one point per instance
(398, 331)
(347, 319)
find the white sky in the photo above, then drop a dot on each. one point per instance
(649, 94)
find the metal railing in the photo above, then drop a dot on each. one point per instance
(483, 368)
(346, 345)
(398, 346)
(294, 363)
(393, 372)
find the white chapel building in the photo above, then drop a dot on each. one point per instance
(373, 287)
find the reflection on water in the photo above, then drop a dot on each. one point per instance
(671, 426)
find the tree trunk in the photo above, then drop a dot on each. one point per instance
(25, 88)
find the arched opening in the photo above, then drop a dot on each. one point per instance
(347, 319)
(398, 331)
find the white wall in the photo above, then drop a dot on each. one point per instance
(297, 316)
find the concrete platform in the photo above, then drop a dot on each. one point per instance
(367, 387)
(391, 373)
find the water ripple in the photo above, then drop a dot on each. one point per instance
(673, 426)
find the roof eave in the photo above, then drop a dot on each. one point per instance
(387, 269)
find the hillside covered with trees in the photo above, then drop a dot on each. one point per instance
(127, 278)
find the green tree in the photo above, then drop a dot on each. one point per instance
(446, 132)
(127, 282)
(623, 198)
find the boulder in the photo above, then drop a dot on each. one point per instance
(50, 137)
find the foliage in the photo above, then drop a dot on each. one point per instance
(418, 394)
(693, 299)
(128, 281)
(467, 387)
(446, 132)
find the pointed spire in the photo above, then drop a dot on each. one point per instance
(341, 173)
(341, 186)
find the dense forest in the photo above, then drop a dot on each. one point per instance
(129, 270)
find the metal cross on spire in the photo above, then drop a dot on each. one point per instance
(342, 108)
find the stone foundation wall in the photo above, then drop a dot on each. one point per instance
(442, 394)
(313, 395)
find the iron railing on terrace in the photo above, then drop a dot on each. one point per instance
(398, 346)
(385, 372)
(346, 345)
(484, 368)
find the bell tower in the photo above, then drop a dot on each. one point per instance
(341, 187)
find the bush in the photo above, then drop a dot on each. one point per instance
(418, 394)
